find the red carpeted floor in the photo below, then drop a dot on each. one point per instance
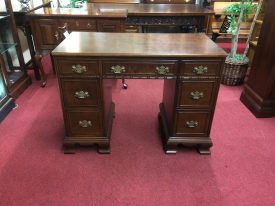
(34, 171)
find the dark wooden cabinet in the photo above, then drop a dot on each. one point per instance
(190, 90)
(48, 32)
(46, 35)
(13, 66)
(259, 91)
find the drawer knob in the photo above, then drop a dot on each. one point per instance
(162, 70)
(200, 70)
(85, 123)
(89, 25)
(117, 69)
(196, 95)
(79, 69)
(81, 94)
(192, 124)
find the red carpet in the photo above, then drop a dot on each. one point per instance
(227, 47)
(34, 171)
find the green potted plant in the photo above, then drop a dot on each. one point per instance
(236, 64)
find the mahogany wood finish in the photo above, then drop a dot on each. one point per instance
(48, 26)
(259, 91)
(190, 65)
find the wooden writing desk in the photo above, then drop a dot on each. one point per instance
(190, 65)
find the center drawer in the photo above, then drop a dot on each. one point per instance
(78, 24)
(142, 67)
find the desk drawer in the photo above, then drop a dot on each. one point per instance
(200, 68)
(160, 68)
(197, 94)
(192, 123)
(78, 24)
(109, 25)
(84, 123)
(78, 93)
(77, 67)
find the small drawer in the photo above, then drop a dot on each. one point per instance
(109, 25)
(79, 93)
(197, 94)
(77, 67)
(142, 68)
(77, 24)
(84, 123)
(200, 68)
(192, 123)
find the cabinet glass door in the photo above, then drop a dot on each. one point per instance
(3, 92)
(8, 49)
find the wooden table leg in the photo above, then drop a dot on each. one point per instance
(38, 62)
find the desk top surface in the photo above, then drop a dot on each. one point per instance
(94, 9)
(99, 44)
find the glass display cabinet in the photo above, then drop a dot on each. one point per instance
(6, 102)
(12, 62)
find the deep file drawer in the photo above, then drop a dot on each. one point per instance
(81, 123)
(192, 123)
(80, 92)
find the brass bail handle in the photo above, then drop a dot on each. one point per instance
(81, 94)
(117, 69)
(200, 69)
(85, 123)
(192, 124)
(196, 95)
(162, 70)
(79, 69)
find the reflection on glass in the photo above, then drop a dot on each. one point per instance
(2, 87)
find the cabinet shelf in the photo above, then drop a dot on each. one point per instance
(13, 69)
(4, 47)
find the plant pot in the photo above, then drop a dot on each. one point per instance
(233, 73)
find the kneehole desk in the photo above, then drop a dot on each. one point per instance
(190, 64)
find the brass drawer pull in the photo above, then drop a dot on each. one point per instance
(63, 27)
(200, 70)
(162, 70)
(85, 123)
(196, 95)
(192, 124)
(81, 94)
(56, 35)
(79, 69)
(118, 69)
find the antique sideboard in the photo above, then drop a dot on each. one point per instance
(190, 65)
(49, 24)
